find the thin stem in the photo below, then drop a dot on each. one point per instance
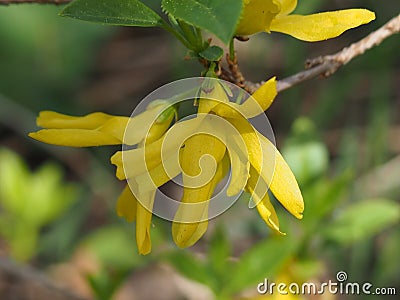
(329, 64)
(191, 34)
(176, 34)
(232, 50)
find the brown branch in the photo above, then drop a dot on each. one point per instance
(329, 64)
(7, 2)
(24, 283)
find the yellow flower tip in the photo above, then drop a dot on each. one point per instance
(296, 207)
(275, 228)
(187, 234)
(126, 205)
(145, 247)
(32, 135)
(116, 160)
(266, 93)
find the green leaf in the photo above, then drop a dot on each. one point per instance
(113, 12)
(326, 193)
(190, 266)
(213, 53)
(104, 243)
(14, 183)
(261, 261)
(219, 252)
(306, 155)
(219, 17)
(363, 220)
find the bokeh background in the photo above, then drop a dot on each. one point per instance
(341, 136)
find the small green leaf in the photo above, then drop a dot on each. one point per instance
(189, 266)
(306, 155)
(107, 241)
(363, 220)
(327, 194)
(219, 17)
(113, 12)
(261, 261)
(213, 53)
(219, 252)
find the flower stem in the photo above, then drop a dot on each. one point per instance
(232, 50)
(176, 34)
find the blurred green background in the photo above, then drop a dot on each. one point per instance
(340, 135)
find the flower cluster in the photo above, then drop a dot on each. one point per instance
(254, 161)
(202, 149)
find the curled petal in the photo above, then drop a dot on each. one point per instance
(95, 129)
(143, 222)
(269, 163)
(126, 205)
(240, 164)
(287, 6)
(54, 120)
(257, 187)
(139, 127)
(157, 176)
(321, 26)
(257, 16)
(158, 129)
(259, 102)
(283, 184)
(74, 137)
(190, 222)
(140, 160)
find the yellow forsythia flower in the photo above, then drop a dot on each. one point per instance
(274, 15)
(164, 151)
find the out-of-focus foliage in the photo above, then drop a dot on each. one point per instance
(29, 201)
(348, 135)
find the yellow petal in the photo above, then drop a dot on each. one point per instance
(187, 234)
(191, 218)
(283, 184)
(321, 26)
(212, 93)
(240, 164)
(139, 126)
(263, 96)
(157, 176)
(271, 166)
(158, 129)
(116, 127)
(253, 144)
(95, 129)
(74, 137)
(54, 120)
(143, 222)
(257, 187)
(260, 101)
(287, 6)
(140, 160)
(257, 16)
(126, 205)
